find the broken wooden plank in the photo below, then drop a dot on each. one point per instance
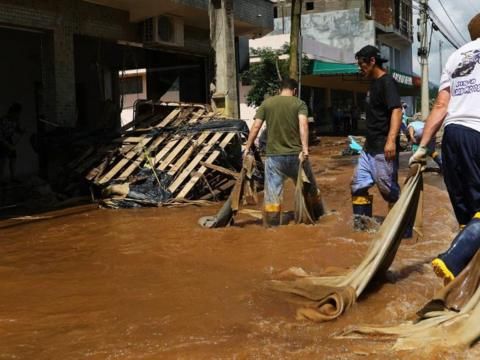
(186, 172)
(219, 189)
(172, 143)
(141, 157)
(138, 148)
(180, 163)
(213, 156)
(139, 120)
(128, 139)
(220, 169)
(164, 164)
(97, 156)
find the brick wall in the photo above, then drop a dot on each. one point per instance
(383, 12)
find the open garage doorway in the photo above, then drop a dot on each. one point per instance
(21, 67)
(111, 77)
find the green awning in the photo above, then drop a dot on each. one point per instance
(331, 68)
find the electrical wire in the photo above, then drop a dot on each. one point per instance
(430, 41)
(443, 29)
(453, 23)
(447, 38)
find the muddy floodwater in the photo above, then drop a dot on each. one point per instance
(88, 283)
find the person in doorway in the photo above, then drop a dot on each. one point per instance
(403, 127)
(9, 126)
(347, 122)
(415, 132)
(355, 115)
(457, 107)
(287, 146)
(337, 120)
(378, 162)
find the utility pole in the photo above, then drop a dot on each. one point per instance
(296, 17)
(222, 40)
(282, 3)
(441, 59)
(423, 54)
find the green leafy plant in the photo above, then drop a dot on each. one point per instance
(265, 75)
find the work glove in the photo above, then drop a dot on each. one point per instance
(420, 156)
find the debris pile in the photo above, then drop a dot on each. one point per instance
(170, 152)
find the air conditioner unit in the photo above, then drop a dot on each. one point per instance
(164, 30)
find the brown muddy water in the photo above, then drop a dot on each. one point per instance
(86, 283)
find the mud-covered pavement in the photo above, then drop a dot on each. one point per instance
(85, 283)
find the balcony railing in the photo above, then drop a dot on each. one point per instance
(406, 29)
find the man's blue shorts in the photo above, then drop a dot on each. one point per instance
(375, 169)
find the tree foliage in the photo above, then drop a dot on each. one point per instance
(265, 75)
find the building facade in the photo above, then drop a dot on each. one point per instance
(349, 25)
(65, 58)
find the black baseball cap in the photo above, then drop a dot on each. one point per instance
(370, 51)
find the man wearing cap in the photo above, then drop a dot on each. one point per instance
(378, 162)
(457, 107)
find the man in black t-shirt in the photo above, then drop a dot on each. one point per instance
(378, 162)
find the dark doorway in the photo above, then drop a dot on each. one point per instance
(21, 64)
(111, 77)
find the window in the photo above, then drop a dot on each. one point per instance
(275, 12)
(386, 52)
(131, 85)
(309, 6)
(397, 14)
(397, 58)
(405, 21)
(368, 8)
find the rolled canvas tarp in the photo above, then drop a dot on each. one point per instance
(324, 298)
(449, 319)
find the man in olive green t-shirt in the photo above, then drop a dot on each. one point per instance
(287, 145)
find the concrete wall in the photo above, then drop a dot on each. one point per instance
(255, 12)
(258, 13)
(343, 29)
(321, 6)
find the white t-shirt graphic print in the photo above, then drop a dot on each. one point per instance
(462, 76)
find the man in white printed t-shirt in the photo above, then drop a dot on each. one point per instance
(458, 107)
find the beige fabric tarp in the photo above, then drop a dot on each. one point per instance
(326, 298)
(450, 319)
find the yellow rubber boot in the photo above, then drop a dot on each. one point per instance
(441, 270)
(272, 215)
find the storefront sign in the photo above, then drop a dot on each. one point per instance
(402, 79)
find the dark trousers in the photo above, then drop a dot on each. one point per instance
(461, 165)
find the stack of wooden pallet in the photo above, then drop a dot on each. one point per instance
(193, 162)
